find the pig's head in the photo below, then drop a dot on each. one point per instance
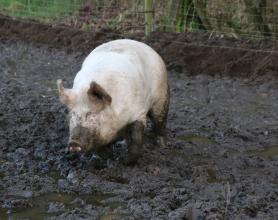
(88, 110)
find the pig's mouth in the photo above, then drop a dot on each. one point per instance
(74, 147)
(78, 146)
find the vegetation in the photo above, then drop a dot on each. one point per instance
(251, 18)
(42, 10)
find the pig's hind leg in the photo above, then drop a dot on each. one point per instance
(135, 142)
(158, 115)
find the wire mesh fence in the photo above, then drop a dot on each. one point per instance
(252, 19)
(47, 11)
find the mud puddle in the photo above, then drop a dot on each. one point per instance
(52, 204)
(270, 152)
(197, 139)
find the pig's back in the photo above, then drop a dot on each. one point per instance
(128, 57)
(131, 72)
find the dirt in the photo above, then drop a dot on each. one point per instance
(194, 53)
(222, 154)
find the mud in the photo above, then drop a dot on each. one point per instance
(193, 53)
(220, 163)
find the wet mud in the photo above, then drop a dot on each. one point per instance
(191, 53)
(220, 163)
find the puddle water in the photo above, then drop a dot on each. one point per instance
(40, 204)
(55, 174)
(111, 216)
(195, 139)
(2, 175)
(3, 214)
(266, 152)
(211, 176)
(178, 153)
(195, 159)
(114, 205)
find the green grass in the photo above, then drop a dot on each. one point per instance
(249, 19)
(42, 10)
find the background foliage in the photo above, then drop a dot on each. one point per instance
(249, 18)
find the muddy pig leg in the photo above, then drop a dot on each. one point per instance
(135, 133)
(158, 115)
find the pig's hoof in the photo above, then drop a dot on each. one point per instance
(97, 162)
(161, 141)
(130, 160)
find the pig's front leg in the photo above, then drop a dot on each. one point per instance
(135, 142)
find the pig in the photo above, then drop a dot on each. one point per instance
(120, 84)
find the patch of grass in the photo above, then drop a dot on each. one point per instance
(42, 10)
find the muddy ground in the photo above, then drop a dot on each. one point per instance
(222, 154)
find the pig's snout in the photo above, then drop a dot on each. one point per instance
(79, 139)
(74, 146)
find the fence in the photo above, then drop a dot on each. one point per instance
(237, 18)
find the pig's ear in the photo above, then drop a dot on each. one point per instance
(67, 96)
(97, 94)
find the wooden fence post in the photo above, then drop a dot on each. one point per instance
(148, 17)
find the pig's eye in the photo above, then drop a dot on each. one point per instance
(88, 114)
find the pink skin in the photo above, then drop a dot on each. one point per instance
(119, 84)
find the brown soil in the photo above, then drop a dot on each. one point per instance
(194, 53)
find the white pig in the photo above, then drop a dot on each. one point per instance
(120, 83)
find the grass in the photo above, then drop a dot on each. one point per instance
(42, 10)
(247, 20)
